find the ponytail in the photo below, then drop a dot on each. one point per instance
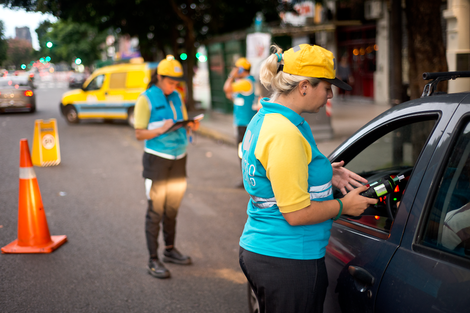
(153, 79)
(273, 78)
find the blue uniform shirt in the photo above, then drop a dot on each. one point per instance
(283, 171)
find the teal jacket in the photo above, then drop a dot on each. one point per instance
(171, 145)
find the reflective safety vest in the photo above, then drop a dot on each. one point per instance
(243, 104)
(171, 145)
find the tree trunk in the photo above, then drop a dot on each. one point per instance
(426, 50)
(190, 50)
(397, 55)
(396, 94)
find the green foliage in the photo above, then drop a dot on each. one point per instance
(70, 40)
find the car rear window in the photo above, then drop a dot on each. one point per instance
(13, 81)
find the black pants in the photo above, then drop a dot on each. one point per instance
(285, 285)
(167, 191)
(240, 133)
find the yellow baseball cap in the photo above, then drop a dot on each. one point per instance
(312, 61)
(171, 68)
(242, 62)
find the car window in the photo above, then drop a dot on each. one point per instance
(13, 81)
(393, 154)
(448, 225)
(117, 80)
(96, 83)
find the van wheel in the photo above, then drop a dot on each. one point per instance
(71, 114)
(130, 117)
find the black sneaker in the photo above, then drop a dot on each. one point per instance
(174, 256)
(157, 269)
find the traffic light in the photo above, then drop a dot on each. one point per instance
(78, 61)
(49, 44)
(183, 56)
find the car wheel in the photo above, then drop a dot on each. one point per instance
(130, 117)
(253, 306)
(71, 114)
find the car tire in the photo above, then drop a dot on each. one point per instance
(253, 306)
(71, 114)
(130, 117)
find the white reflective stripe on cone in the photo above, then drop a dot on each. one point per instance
(27, 173)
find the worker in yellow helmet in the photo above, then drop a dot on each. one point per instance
(240, 88)
(164, 160)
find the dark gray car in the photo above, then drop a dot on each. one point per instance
(411, 251)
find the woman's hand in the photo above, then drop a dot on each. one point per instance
(355, 204)
(166, 126)
(194, 125)
(344, 179)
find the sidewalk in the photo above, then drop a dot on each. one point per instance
(347, 116)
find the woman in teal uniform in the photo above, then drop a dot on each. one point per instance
(291, 209)
(164, 160)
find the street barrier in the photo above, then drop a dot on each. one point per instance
(46, 149)
(33, 232)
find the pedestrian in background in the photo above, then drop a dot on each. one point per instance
(291, 210)
(164, 160)
(240, 88)
(344, 73)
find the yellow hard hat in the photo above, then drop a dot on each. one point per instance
(171, 68)
(312, 61)
(242, 62)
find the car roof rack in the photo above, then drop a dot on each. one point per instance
(438, 77)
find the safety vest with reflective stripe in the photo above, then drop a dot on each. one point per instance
(171, 145)
(243, 104)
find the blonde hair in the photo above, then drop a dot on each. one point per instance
(278, 81)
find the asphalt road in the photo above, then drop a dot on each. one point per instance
(96, 198)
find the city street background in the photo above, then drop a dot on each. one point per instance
(96, 198)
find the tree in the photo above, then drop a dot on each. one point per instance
(163, 27)
(426, 49)
(20, 51)
(70, 40)
(3, 43)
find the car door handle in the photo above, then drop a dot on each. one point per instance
(106, 93)
(362, 277)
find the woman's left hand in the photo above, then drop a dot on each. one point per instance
(344, 179)
(194, 125)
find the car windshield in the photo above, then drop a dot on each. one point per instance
(13, 81)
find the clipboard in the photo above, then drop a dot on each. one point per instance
(179, 124)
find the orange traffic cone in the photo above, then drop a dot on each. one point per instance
(33, 232)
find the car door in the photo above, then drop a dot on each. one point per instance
(399, 142)
(430, 271)
(95, 95)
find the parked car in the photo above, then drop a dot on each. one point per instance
(411, 251)
(76, 80)
(17, 94)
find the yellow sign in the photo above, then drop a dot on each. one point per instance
(46, 150)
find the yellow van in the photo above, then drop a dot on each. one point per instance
(109, 93)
